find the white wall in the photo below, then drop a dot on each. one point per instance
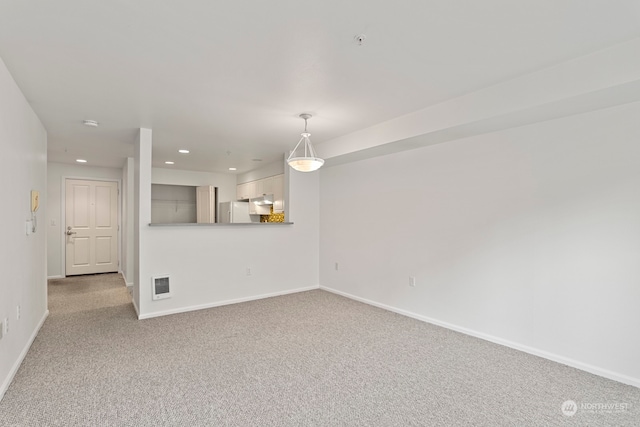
(23, 258)
(529, 237)
(226, 183)
(56, 173)
(142, 212)
(173, 204)
(265, 171)
(127, 221)
(207, 264)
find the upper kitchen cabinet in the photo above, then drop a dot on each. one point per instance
(247, 190)
(262, 187)
(259, 188)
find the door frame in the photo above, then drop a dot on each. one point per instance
(63, 218)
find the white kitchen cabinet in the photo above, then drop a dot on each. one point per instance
(265, 186)
(240, 191)
(257, 189)
(262, 187)
(278, 193)
(252, 189)
(246, 191)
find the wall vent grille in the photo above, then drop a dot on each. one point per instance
(161, 287)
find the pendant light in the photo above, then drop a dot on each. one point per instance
(304, 160)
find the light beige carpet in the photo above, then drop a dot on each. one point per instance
(307, 359)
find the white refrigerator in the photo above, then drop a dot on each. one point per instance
(233, 212)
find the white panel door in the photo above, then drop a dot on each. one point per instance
(91, 229)
(206, 204)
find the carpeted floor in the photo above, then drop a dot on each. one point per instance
(306, 359)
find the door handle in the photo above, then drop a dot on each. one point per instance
(69, 232)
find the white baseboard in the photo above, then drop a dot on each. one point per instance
(135, 307)
(516, 346)
(55, 277)
(23, 354)
(127, 283)
(221, 303)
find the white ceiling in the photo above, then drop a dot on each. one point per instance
(227, 80)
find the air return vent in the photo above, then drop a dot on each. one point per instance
(161, 288)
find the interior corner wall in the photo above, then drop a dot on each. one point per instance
(56, 172)
(208, 264)
(23, 257)
(141, 216)
(529, 237)
(127, 221)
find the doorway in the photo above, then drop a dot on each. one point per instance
(91, 226)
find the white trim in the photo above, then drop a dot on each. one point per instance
(135, 307)
(227, 302)
(55, 277)
(531, 350)
(127, 283)
(23, 354)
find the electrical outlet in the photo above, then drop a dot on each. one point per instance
(412, 281)
(336, 266)
(18, 312)
(248, 271)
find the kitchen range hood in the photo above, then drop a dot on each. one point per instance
(267, 199)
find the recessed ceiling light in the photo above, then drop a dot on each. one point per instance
(91, 123)
(81, 161)
(169, 163)
(233, 169)
(183, 151)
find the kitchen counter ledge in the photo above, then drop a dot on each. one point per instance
(217, 224)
